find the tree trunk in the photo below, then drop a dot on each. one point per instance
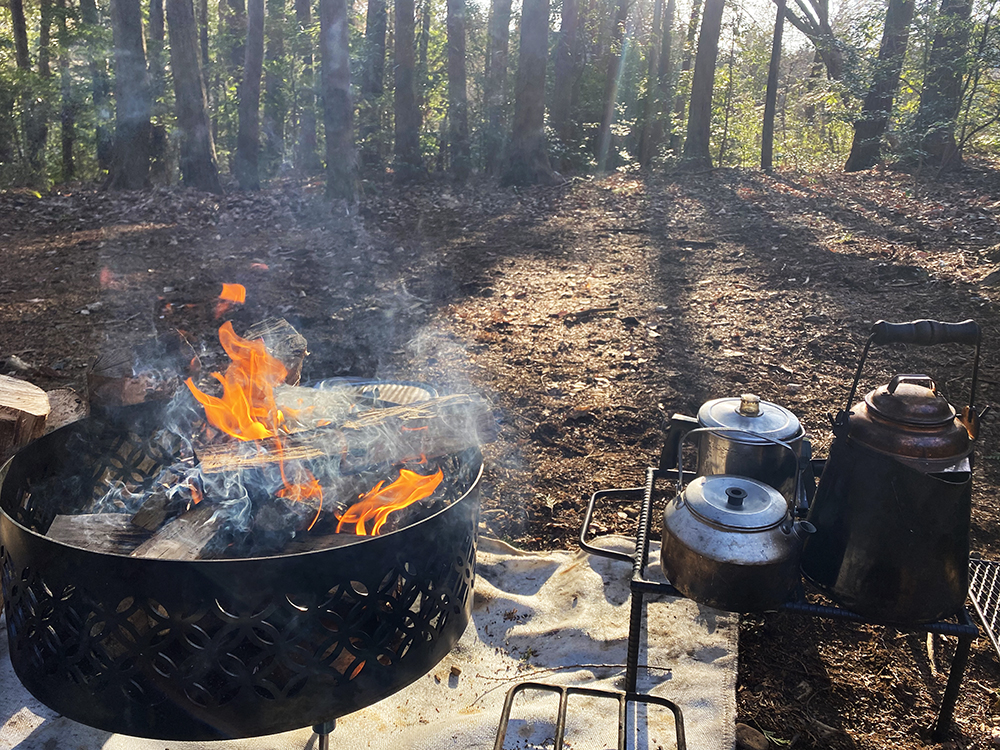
(686, 61)
(67, 113)
(771, 94)
(341, 164)
(699, 126)
(198, 164)
(275, 95)
(458, 98)
(941, 97)
(615, 62)
(565, 72)
(130, 166)
(245, 163)
(871, 125)
(495, 86)
(527, 159)
(663, 93)
(373, 86)
(814, 22)
(650, 105)
(423, 46)
(307, 157)
(20, 35)
(406, 148)
(100, 85)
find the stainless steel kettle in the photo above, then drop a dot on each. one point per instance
(893, 507)
(746, 437)
(732, 542)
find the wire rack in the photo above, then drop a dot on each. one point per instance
(984, 591)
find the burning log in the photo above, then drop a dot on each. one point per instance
(431, 428)
(99, 532)
(152, 371)
(186, 537)
(283, 343)
(23, 410)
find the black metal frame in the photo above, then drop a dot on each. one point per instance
(565, 692)
(963, 628)
(225, 648)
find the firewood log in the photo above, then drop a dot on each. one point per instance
(24, 409)
(99, 532)
(152, 371)
(430, 428)
(186, 537)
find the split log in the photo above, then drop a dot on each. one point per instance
(24, 409)
(431, 428)
(98, 532)
(283, 343)
(187, 537)
(152, 371)
(308, 542)
(68, 406)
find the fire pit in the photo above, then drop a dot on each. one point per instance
(217, 648)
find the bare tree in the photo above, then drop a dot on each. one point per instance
(198, 163)
(246, 165)
(275, 94)
(527, 160)
(341, 161)
(130, 165)
(874, 119)
(100, 84)
(565, 72)
(651, 100)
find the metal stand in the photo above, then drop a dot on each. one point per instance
(964, 629)
(323, 731)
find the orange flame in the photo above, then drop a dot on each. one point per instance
(380, 501)
(247, 409)
(231, 295)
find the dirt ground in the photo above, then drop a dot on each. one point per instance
(587, 313)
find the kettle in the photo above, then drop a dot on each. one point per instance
(892, 510)
(743, 436)
(731, 541)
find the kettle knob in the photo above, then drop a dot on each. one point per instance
(749, 405)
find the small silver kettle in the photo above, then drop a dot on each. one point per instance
(732, 542)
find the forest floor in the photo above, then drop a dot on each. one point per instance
(587, 313)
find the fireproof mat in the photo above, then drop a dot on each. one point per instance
(555, 617)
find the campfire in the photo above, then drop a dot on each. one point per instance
(264, 465)
(247, 557)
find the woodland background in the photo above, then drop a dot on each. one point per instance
(130, 93)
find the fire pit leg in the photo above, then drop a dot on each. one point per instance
(323, 732)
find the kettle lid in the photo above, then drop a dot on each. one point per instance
(911, 400)
(735, 502)
(749, 413)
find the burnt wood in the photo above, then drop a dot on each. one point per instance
(431, 428)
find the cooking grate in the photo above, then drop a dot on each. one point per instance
(984, 591)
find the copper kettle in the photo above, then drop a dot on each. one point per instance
(892, 511)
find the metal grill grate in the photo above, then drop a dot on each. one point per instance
(984, 590)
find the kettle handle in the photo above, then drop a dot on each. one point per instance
(736, 431)
(922, 333)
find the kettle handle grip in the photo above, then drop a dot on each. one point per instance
(923, 333)
(926, 333)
